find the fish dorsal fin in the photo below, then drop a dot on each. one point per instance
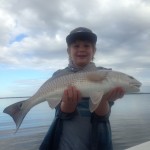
(95, 99)
(96, 77)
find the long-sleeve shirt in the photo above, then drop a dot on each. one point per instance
(81, 129)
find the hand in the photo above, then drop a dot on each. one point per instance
(70, 99)
(113, 95)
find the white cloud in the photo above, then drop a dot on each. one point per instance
(35, 52)
(6, 25)
(122, 28)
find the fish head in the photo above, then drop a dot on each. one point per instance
(134, 85)
(128, 82)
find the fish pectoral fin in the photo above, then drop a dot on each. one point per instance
(53, 102)
(95, 99)
(93, 107)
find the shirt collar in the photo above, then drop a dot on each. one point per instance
(89, 67)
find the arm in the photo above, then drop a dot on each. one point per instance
(101, 130)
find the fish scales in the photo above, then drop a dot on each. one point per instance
(53, 87)
(61, 82)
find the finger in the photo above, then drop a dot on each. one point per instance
(110, 95)
(114, 94)
(78, 95)
(118, 93)
(65, 96)
(121, 92)
(70, 93)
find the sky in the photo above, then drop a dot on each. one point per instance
(33, 32)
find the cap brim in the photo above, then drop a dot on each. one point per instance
(84, 36)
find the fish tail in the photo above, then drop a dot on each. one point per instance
(17, 111)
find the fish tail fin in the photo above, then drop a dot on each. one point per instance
(17, 111)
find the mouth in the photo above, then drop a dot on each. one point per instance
(81, 56)
(136, 85)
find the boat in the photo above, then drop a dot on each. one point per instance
(142, 146)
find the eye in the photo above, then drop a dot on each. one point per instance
(76, 46)
(87, 45)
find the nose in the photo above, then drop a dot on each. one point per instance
(82, 48)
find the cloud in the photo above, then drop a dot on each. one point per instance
(6, 26)
(33, 32)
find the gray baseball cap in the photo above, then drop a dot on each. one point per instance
(81, 33)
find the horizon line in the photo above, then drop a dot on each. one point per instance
(11, 97)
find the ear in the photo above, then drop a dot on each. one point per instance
(94, 51)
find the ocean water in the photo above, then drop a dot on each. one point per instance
(130, 122)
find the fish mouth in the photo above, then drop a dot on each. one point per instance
(136, 85)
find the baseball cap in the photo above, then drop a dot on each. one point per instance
(81, 33)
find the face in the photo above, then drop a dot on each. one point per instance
(81, 53)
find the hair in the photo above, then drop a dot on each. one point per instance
(92, 43)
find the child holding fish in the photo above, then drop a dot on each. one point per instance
(74, 126)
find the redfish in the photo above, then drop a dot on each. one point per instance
(92, 84)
